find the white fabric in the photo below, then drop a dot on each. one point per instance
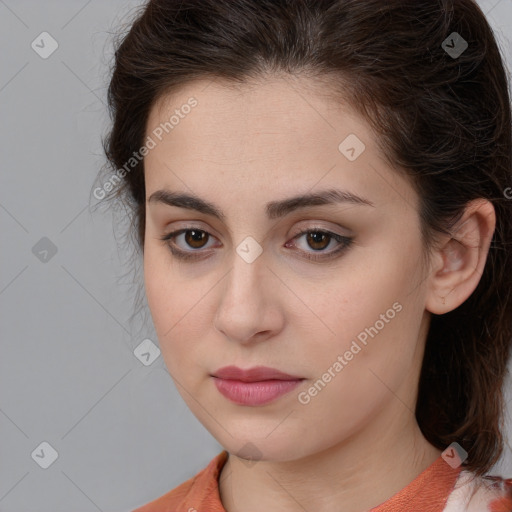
(462, 498)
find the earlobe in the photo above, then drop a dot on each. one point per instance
(460, 259)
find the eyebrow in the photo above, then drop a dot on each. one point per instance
(274, 209)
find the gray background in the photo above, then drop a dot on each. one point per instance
(69, 375)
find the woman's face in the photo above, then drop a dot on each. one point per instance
(351, 323)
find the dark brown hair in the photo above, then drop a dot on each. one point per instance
(443, 120)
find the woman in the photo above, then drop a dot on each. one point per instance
(319, 191)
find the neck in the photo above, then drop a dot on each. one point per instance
(360, 473)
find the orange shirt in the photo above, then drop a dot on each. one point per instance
(439, 488)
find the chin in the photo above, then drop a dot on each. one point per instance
(252, 448)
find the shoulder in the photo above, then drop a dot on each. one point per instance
(480, 494)
(171, 500)
(200, 490)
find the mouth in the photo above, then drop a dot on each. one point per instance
(255, 374)
(255, 386)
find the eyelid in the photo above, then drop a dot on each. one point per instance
(179, 231)
(344, 242)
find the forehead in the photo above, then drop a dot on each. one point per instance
(290, 132)
(280, 107)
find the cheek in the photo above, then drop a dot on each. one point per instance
(162, 296)
(167, 295)
(155, 286)
(368, 375)
(177, 309)
(371, 314)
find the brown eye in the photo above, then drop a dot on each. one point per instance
(187, 243)
(193, 240)
(317, 240)
(196, 238)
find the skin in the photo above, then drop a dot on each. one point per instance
(239, 149)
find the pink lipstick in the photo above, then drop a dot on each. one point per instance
(255, 386)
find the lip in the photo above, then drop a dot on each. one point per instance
(255, 374)
(255, 386)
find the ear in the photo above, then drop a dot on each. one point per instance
(458, 262)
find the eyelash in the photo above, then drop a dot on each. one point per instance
(345, 242)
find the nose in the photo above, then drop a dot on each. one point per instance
(249, 308)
